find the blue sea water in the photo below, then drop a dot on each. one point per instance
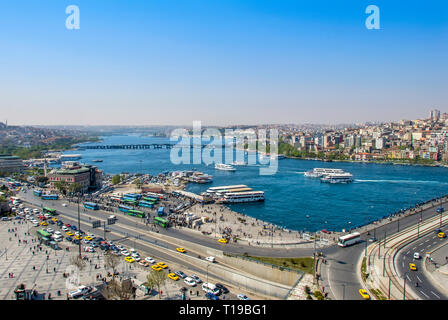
(292, 200)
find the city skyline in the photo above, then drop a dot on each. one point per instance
(170, 63)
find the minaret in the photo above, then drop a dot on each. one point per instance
(45, 167)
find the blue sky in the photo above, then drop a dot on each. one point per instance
(221, 62)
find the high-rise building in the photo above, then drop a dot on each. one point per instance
(434, 115)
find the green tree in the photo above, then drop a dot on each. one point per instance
(116, 179)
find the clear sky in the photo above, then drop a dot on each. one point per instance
(222, 62)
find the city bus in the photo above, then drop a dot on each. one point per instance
(150, 199)
(117, 199)
(91, 206)
(145, 204)
(130, 201)
(349, 239)
(161, 222)
(37, 193)
(49, 211)
(125, 209)
(50, 197)
(154, 195)
(133, 196)
(136, 213)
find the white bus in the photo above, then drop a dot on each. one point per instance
(349, 239)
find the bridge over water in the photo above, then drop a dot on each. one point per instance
(140, 146)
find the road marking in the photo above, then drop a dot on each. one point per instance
(407, 276)
(402, 264)
(414, 248)
(407, 253)
(419, 279)
(435, 294)
(427, 240)
(424, 294)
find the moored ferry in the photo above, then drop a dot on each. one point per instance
(240, 197)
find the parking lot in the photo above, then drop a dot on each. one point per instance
(42, 268)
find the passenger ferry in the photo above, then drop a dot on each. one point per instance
(343, 177)
(240, 197)
(224, 167)
(320, 172)
(214, 190)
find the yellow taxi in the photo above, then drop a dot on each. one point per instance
(69, 233)
(88, 238)
(78, 237)
(181, 250)
(441, 235)
(223, 240)
(43, 223)
(54, 219)
(129, 259)
(162, 265)
(364, 294)
(156, 267)
(173, 276)
(412, 266)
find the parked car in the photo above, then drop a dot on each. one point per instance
(190, 282)
(181, 274)
(211, 259)
(196, 278)
(211, 296)
(221, 287)
(81, 291)
(242, 296)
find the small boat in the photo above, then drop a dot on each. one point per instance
(98, 160)
(224, 167)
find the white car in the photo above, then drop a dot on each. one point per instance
(50, 230)
(89, 249)
(135, 255)
(58, 233)
(64, 204)
(120, 247)
(150, 260)
(36, 211)
(417, 255)
(190, 281)
(65, 228)
(211, 259)
(125, 253)
(242, 296)
(196, 278)
(82, 290)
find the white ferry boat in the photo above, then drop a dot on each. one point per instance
(224, 167)
(321, 172)
(240, 197)
(343, 177)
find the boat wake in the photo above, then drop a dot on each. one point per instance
(403, 181)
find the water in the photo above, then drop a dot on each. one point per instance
(377, 191)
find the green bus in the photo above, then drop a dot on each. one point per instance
(130, 201)
(43, 234)
(49, 211)
(161, 222)
(137, 213)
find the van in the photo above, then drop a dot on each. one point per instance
(211, 288)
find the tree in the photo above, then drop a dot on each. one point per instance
(116, 179)
(78, 262)
(74, 187)
(155, 279)
(138, 183)
(121, 290)
(111, 261)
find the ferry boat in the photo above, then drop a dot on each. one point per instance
(241, 197)
(321, 172)
(239, 163)
(343, 177)
(224, 167)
